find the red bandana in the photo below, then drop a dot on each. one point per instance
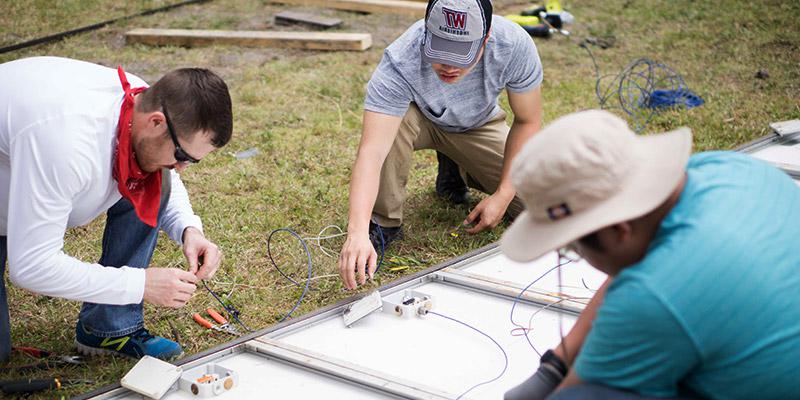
(142, 189)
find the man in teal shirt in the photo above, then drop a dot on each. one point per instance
(703, 254)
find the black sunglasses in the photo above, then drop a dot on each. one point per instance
(180, 155)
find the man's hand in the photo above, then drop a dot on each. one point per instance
(170, 287)
(488, 213)
(358, 257)
(202, 255)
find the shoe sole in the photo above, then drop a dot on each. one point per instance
(95, 351)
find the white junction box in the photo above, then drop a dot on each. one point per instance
(408, 303)
(208, 380)
(151, 377)
(360, 309)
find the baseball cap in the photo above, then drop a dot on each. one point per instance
(454, 31)
(586, 171)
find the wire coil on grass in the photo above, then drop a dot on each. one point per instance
(642, 89)
(632, 89)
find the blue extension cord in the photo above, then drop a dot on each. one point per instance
(643, 88)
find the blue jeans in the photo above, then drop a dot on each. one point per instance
(126, 241)
(598, 392)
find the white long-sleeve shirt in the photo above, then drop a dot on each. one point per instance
(58, 126)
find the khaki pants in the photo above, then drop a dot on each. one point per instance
(478, 153)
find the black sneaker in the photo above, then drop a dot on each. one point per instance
(449, 184)
(381, 236)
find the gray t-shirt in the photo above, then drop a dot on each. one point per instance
(509, 61)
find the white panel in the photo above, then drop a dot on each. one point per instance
(437, 352)
(782, 154)
(498, 266)
(261, 378)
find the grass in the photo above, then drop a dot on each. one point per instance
(302, 111)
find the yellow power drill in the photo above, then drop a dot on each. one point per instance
(543, 21)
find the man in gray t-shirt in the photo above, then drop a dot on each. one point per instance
(437, 88)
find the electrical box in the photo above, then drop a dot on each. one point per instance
(151, 377)
(408, 303)
(208, 380)
(360, 309)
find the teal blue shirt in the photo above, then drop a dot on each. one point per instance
(714, 307)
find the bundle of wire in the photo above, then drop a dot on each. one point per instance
(319, 238)
(522, 330)
(642, 89)
(234, 313)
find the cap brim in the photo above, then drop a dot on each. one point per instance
(450, 52)
(661, 163)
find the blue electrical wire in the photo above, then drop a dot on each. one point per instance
(310, 267)
(519, 296)
(383, 248)
(233, 312)
(310, 264)
(505, 356)
(642, 89)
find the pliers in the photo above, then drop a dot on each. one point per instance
(48, 359)
(223, 327)
(36, 385)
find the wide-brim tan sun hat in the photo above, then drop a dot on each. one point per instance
(586, 171)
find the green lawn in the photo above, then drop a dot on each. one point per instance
(302, 111)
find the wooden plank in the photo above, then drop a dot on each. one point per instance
(286, 40)
(291, 17)
(401, 7)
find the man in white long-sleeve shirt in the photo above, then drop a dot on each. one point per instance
(78, 140)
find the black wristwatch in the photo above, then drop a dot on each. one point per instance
(552, 359)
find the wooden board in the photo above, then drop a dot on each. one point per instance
(291, 17)
(411, 8)
(287, 40)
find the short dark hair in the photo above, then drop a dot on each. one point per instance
(197, 99)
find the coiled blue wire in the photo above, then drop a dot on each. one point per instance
(642, 89)
(310, 267)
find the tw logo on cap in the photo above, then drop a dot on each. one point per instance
(455, 19)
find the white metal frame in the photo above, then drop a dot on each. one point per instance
(266, 343)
